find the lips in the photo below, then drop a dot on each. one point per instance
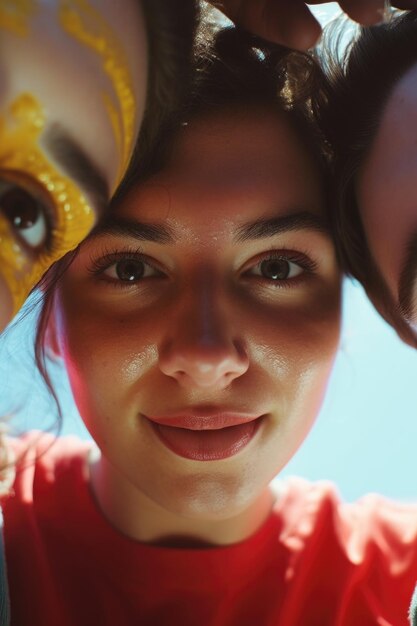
(205, 437)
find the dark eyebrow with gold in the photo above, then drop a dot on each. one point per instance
(110, 225)
(77, 165)
(303, 220)
(408, 277)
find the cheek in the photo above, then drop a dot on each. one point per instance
(298, 361)
(107, 356)
(295, 354)
(299, 341)
(387, 196)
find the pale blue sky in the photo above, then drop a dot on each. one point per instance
(366, 436)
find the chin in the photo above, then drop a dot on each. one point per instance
(208, 498)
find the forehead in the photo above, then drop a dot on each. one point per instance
(85, 62)
(258, 140)
(387, 182)
(251, 156)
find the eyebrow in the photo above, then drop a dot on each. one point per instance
(77, 165)
(408, 277)
(110, 225)
(257, 229)
(303, 220)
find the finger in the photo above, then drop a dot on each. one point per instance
(287, 22)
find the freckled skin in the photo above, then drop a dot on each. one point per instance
(76, 65)
(241, 343)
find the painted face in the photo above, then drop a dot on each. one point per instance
(387, 195)
(199, 326)
(72, 92)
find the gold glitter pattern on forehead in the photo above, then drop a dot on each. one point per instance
(20, 129)
(16, 14)
(85, 24)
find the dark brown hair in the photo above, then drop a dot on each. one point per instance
(360, 83)
(229, 67)
(170, 26)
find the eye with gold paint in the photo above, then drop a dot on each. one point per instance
(28, 215)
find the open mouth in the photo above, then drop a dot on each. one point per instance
(207, 444)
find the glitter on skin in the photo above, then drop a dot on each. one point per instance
(21, 127)
(73, 218)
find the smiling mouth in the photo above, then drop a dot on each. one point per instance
(205, 439)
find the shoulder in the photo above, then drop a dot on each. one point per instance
(46, 448)
(41, 459)
(371, 523)
(363, 554)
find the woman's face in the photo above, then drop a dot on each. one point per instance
(199, 324)
(387, 195)
(72, 94)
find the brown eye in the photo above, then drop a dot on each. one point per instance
(130, 270)
(119, 268)
(279, 269)
(26, 214)
(276, 269)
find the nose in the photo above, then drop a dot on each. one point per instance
(202, 349)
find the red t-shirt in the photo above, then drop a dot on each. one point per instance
(314, 561)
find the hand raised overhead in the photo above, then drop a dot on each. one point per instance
(291, 23)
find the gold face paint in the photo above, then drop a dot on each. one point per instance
(16, 14)
(21, 154)
(85, 24)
